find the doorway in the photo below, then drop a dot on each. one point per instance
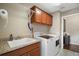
(66, 36)
(71, 27)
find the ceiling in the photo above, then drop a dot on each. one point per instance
(53, 7)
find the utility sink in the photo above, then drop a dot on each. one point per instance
(20, 42)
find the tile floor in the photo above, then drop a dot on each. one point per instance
(65, 52)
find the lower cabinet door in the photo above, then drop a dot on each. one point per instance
(25, 54)
(35, 52)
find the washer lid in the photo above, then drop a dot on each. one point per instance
(46, 36)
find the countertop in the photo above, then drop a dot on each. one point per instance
(6, 48)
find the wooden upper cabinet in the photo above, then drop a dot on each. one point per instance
(44, 20)
(49, 20)
(40, 16)
(36, 17)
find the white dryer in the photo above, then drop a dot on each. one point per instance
(49, 44)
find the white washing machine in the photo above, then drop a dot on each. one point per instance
(48, 45)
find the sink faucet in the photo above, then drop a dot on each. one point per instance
(11, 37)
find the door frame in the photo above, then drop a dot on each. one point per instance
(62, 27)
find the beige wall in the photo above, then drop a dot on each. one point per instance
(72, 28)
(17, 21)
(41, 28)
(55, 29)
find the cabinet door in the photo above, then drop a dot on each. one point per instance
(25, 54)
(38, 16)
(44, 18)
(35, 52)
(49, 20)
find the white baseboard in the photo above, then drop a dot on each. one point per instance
(74, 43)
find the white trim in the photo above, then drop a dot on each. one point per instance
(62, 33)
